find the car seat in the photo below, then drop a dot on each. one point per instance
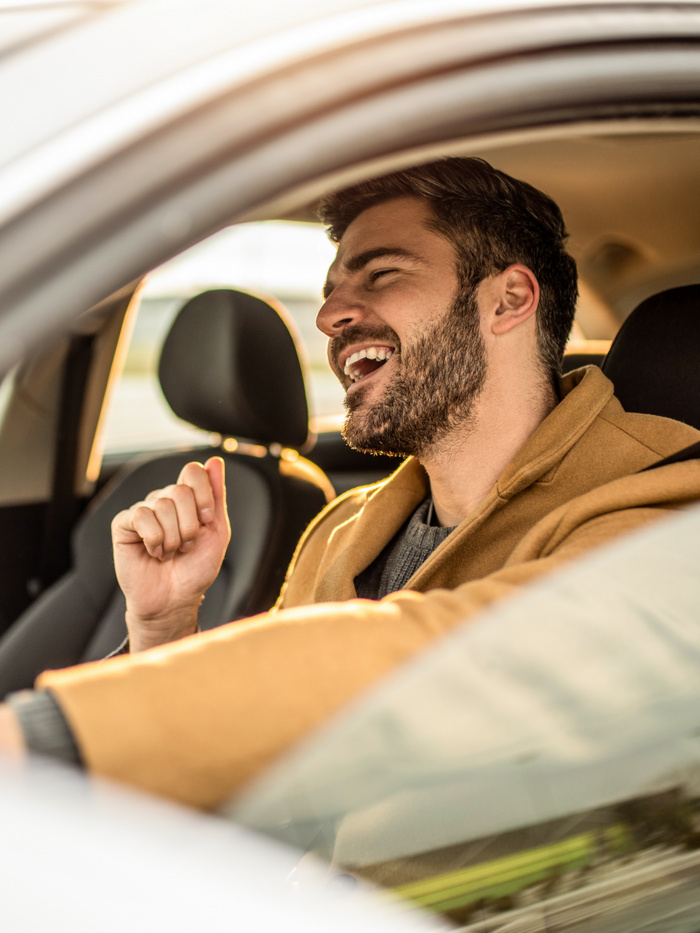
(573, 361)
(229, 365)
(654, 361)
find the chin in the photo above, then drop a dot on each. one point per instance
(368, 440)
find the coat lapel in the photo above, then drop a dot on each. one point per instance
(366, 534)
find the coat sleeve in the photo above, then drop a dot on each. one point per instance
(196, 720)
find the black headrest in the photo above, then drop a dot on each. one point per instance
(573, 361)
(230, 365)
(654, 361)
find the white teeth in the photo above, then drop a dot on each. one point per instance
(371, 353)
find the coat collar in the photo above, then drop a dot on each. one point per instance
(585, 392)
(389, 504)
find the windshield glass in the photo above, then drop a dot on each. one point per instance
(539, 768)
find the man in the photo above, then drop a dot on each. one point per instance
(447, 311)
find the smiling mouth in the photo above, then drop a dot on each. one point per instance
(365, 362)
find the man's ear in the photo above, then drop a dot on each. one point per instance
(516, 295)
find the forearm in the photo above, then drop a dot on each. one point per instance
(195, 721)
(199, 720)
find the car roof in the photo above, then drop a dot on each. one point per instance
(136, 128)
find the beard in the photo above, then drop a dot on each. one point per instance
(438, 377)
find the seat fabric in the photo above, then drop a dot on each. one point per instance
(573, 361)
(654, 360)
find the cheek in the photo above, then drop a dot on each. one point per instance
(330, 356)
(428, 318)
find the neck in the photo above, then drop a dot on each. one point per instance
(465, 464)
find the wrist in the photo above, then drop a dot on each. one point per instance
(152, 631)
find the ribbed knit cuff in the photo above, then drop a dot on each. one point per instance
(45, 729)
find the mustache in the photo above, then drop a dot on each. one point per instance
(360, 333)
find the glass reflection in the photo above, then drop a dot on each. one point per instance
(537, 770)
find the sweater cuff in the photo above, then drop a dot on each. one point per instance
(124, 648)
(45, 729)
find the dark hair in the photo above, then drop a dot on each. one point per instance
(493, 221)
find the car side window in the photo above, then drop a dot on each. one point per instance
(285, 260)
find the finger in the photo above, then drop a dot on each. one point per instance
(186, 515)
(181, 526)
(216, 470)
(196, 477)
(163, 527)
(167, 515)
(155, 494)
(147, 526)
(123, 531)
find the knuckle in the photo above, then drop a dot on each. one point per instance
(189, 531)
(162, 508)
(181, 494)
(141, 513)
(153, 539)
(193, 468)
(158, 495)
(119, 518)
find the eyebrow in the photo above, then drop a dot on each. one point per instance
(360, 260)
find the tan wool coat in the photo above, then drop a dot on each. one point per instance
(197, 719)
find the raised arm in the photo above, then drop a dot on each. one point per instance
(168, 551)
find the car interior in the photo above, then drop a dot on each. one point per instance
(633, 233)
(273, 491)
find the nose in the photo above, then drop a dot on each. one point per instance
(338, 311)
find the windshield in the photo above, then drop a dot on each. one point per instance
(539, 768)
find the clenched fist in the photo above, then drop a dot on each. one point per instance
(168, 551)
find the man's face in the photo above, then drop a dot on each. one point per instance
(403, 341)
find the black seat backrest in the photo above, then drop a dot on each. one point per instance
(654, 361)
(229, 365)
(575, 360)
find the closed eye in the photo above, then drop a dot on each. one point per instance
(378, 273)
